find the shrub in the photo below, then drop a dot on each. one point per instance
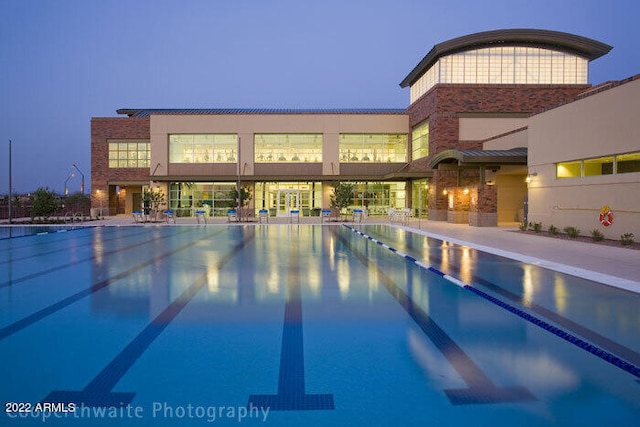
(553, 230)
(44, 203)
(597, 235)
(537, 227)
(627, 239)
(572, 232)
(523, 226)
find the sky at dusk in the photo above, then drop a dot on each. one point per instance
(65, 61)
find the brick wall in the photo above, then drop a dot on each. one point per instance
(442, 106)
(103, 129)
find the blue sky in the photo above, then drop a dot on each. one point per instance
(63, 62)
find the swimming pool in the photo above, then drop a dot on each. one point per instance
(305, 325)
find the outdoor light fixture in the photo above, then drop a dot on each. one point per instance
(81, 182)
(66, 189)
(530, 177)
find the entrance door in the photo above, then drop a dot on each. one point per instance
(288, 200)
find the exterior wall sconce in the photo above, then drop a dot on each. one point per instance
(466, 191)
(444, 191)
(530, 177)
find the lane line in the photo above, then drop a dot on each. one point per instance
(29, 320)
(292, 395)
(12, 282)
(98, 392)
(480, 389)
(580, 343)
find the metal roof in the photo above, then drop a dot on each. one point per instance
(553, 40)
(515, 156)
(146, 112)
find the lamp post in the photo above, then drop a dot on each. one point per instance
(10, 191)
(81, 182)
(66, 189)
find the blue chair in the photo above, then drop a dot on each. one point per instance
(169, 216)
(263, 215)
(294, 213)
(201, 216)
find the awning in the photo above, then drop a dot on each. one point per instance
(474, 158)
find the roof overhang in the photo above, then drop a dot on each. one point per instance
(553, 40)
(456, 159)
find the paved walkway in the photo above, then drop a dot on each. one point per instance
(614, 266)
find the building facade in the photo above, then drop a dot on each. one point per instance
(481, 107)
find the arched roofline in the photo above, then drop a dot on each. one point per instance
(554, 40)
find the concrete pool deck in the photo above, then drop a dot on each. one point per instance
(614, 266)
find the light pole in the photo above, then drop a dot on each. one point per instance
(81, 182)
(10, 191)
(66, 189)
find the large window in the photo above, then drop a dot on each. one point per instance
(378, 197)
(628, 162)
(214, 198)
(129, 153)
(504, 65)
(420, 141)
(303, 148)
(369, 147)
(203, 148)
(608, 165)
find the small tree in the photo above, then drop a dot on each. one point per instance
(342, 195)
(245, 197)
(44, 203)
(152, 200)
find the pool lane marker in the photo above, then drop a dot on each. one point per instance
(292, 395)
(480, 389)
(578, 342)
(98, 393)
(43, 233)
(33, 275)
(29, 320)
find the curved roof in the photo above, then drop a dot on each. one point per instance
(553, 40)
(514, 156)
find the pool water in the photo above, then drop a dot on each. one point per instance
(291, 325)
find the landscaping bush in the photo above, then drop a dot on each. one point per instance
(597, 235)
(572, 232)
(627, 239)
(553, 230)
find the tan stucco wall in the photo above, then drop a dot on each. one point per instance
(507, 142)
(602, 124)
(481, 128)
(246, 125)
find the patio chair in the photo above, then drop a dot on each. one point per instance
(169, 216)
(137, 216)
(263, 216)
(294, 214)
(201, 216)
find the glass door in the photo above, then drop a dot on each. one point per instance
(288, 200)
